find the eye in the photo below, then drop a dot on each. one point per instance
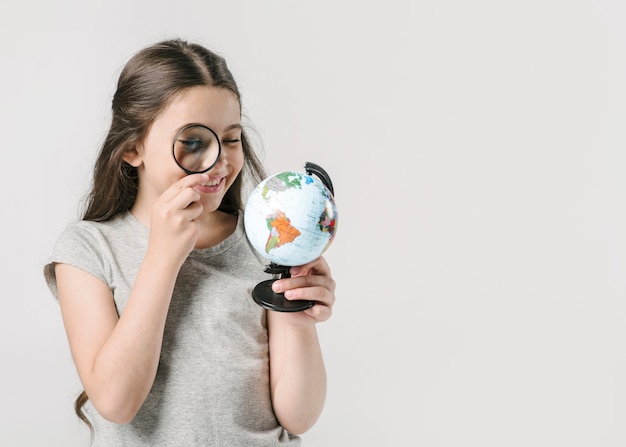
(191, 145)
(231, 140)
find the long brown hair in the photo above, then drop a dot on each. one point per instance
(147, 83)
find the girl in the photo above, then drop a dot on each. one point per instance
(155, 281)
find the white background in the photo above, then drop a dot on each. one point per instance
(477, 151)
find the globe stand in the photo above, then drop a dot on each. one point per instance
(265, 297)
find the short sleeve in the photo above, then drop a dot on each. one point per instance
(79, 246)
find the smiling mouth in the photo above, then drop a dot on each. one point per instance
(213, 182)
(213, 185)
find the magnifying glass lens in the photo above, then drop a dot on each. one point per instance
(196, 148)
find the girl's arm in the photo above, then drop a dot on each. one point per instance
(297, 373)
(117, 358)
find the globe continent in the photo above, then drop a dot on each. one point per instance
(290, 218)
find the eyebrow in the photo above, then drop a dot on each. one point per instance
(233, 126)
(227, 129)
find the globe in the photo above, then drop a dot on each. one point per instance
(290, 218)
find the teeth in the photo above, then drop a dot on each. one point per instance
(212, 183)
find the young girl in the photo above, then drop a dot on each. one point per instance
(155, 281)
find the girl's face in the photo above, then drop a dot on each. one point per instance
(217, 108)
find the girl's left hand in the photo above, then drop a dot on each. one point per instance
(312, 281)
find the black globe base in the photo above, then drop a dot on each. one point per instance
(265, 297)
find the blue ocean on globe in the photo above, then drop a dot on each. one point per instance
(290, 218)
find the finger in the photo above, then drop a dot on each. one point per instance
(184, 199)
(192, 211)
(321, 295)
(301, 283)
(319, 266)
(188, 181)
(319, 312)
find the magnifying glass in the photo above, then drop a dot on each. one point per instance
(196, 148)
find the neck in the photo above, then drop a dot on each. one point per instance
(215, 227)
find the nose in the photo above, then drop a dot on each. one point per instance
(222, 159)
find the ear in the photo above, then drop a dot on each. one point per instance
(133, 157)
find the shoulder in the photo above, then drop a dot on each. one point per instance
(94, 246)
(79, 235)
(91, 233)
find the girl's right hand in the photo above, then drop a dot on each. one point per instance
(174, 227)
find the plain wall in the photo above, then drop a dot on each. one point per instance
(478, 155)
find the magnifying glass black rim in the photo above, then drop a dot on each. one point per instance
(219, 148)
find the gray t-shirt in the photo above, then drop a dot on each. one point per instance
(212, 384)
